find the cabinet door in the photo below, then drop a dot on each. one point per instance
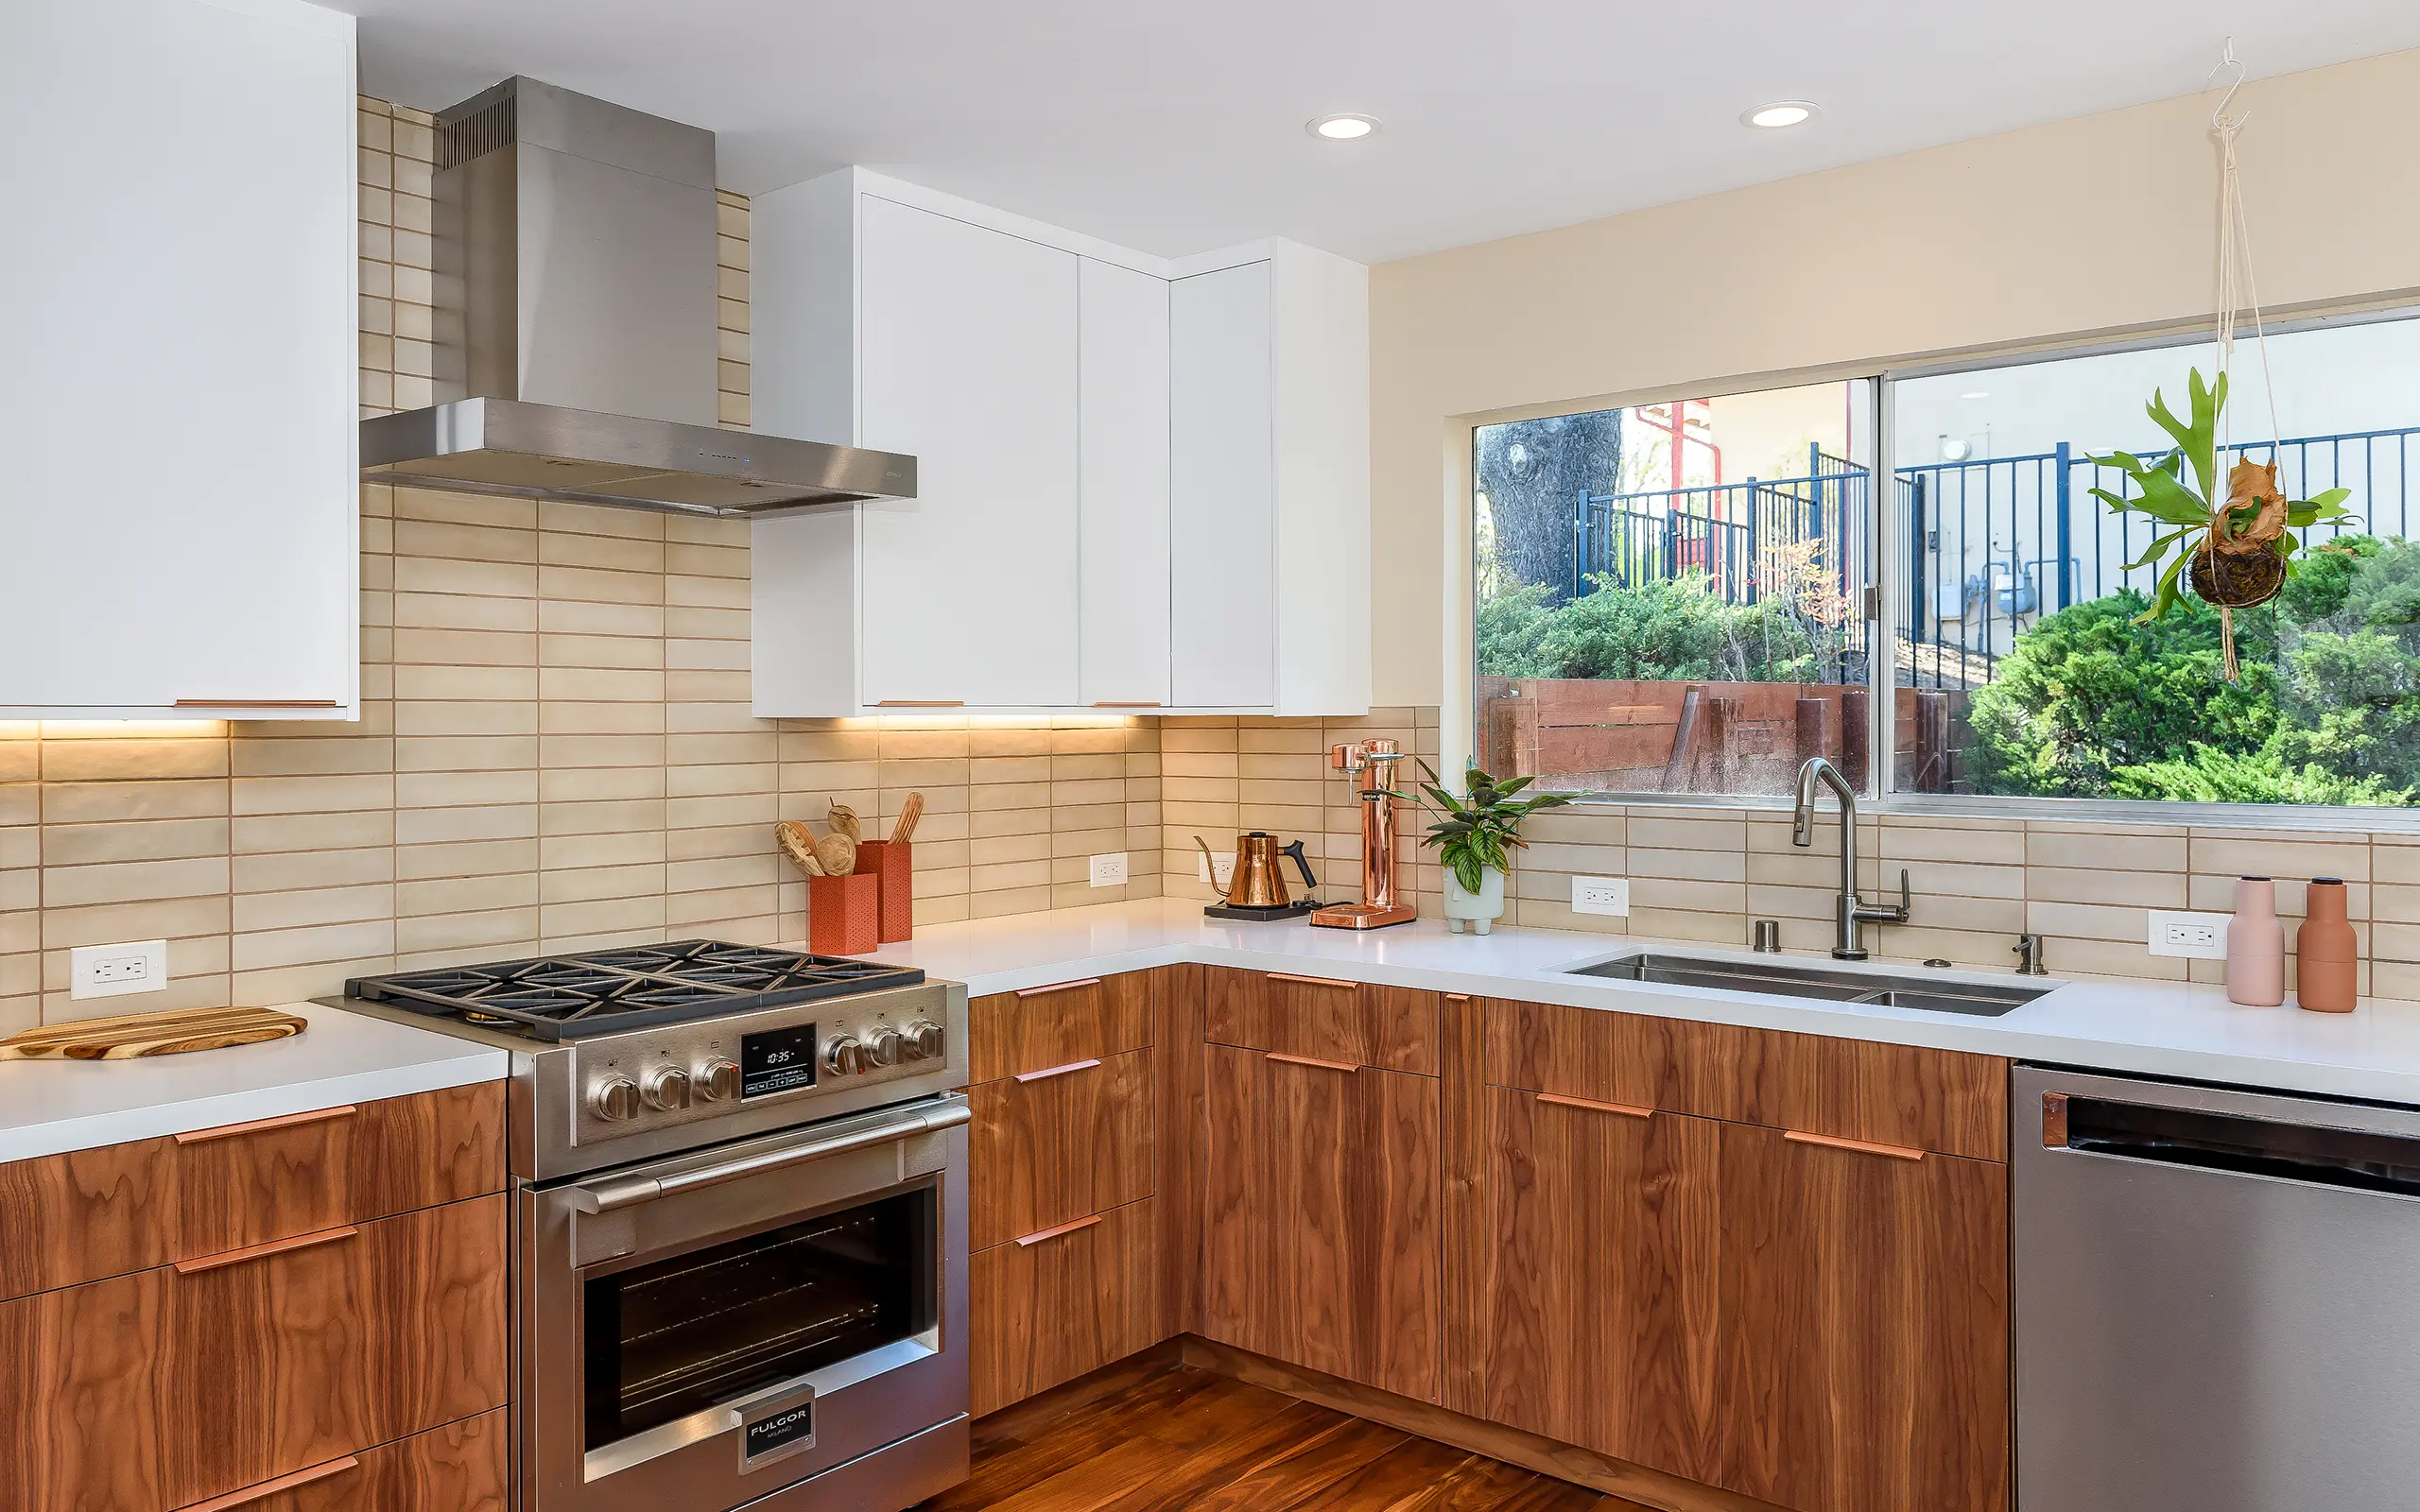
(1322, 1244)
(313, 1349)
(966, 359)
(1123, 376)
(1864, 1327)
(1050, 1147)
(178, 355)
(1601, 1280)
(1059, 1304)
(85, 1373)
(1222, 514)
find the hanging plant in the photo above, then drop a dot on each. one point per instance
(2236, 551)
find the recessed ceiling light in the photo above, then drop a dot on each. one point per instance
(1977, 394)
(1780, 114)
(1342, 127)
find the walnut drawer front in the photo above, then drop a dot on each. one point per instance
(1052, 1306)
(1943, 1101)
(1038, 1028)
(123, 1208)
(1063, 1142)
(293, 1354)
(1391, 1029)
(464, 1467)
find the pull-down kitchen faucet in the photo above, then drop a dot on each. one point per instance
(1848, 943)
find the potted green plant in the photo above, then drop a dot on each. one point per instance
(1475, 840)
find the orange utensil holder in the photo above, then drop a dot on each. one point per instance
(893, 862)
(843, 914)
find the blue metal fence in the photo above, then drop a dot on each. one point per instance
(1991, 543)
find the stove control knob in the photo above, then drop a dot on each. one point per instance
(889, 1046)
(668, 1090)
(844, 1056)
(926, 1040)
(717, 1081)
(615, 1097)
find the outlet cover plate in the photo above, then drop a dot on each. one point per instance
(115, 970)
(1600, 895)
(1219, 875)
(1109, 870)
(2194, 936)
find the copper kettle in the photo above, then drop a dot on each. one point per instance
(1255, 882)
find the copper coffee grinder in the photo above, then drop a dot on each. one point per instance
(1371, 764)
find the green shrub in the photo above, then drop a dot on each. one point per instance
(2227, 777)
(2087, 692)
(1666, 631)
(1509, 629)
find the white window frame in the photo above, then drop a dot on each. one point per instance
(1458, 716)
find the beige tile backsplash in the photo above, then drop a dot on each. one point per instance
(555, 750)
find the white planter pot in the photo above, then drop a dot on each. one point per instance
(1478, 909)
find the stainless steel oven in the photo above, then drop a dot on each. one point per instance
(751, 1324)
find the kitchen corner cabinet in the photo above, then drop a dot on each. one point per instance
(179, 360)
(1136, 479)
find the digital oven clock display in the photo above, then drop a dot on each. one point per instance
(777, 1060)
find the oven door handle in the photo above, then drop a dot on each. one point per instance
(631, 1191)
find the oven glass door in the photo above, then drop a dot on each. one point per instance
(693, 1331)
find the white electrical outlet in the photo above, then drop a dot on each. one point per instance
(1218, 872)
(1109, 872)
(114, 971)
(1600, 895)
(2195, 936)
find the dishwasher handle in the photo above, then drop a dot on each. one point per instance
(2309, 1153)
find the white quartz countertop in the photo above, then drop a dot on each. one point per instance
(47, 1106)
(2147, 1028)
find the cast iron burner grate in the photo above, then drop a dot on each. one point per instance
(570, 997)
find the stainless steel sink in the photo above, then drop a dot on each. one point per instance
(1886, 989)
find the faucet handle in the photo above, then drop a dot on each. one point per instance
(1907, 899)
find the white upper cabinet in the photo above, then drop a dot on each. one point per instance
(967, 362)
(1111, 481)
(179, 360)
(1123, 541)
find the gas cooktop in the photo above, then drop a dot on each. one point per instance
(554, 998)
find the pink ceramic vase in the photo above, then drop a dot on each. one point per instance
(2255, 946)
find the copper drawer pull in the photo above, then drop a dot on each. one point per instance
(1833, 1142)
(1030, 1240)
(1591, 1105)
(1312, 980)
(268, 1488)
(1056, 1070)
(1457, 997)
(1311, 1061)
(1056, 987)
(257, 703)
(2054, 1121)
(260, 1125)
(275, 1247)
(920, 703)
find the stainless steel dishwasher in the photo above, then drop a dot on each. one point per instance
(2218, 1300)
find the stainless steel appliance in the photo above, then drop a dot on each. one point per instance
(2218, 1298)
(576, 345)
(739, 1223)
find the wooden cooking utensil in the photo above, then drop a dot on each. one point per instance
(798, 843)
(142, 1034)
(904, 828)
(838, 854)
(843, 820)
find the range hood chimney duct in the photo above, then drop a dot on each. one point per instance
(577, 341)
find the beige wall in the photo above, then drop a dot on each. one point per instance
(2092, 225)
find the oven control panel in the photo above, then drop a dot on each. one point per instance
(686, 1073)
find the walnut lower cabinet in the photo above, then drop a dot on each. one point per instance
(357, 1365)
(1320, 1229)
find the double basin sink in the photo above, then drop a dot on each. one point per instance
(1883, 989)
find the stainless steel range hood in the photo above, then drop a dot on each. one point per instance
(576, 342)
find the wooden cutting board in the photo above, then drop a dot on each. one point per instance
(138, 1035)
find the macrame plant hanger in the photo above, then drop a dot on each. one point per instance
(2239, 294)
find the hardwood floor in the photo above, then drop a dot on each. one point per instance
(1157, 1435)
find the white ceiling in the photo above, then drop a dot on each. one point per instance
(1176, 126)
